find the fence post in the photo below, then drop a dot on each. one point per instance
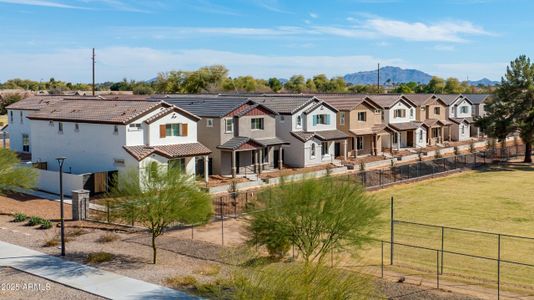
(437, 268)
(418, 166)
(382, 260)
(475, 158)
(108, 211)
(380, 177)
(192, 234)
(499, 267)
(392, 238)
(442, 246)
(222, 221)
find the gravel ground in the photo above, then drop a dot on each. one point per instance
(17, 285)
(405, 291)
(32, 206)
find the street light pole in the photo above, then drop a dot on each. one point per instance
(61, 160)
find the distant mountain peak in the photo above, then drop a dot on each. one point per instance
(389, 75)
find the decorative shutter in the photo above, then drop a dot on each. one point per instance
(327, 119)
(184, 129)
(162, 131)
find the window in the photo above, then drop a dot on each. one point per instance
(76, 127)
(177, 129)
(312, 151)
(435, 132)
(362, 116)
(51, 123)
(437, 110)
(299, 121)
(228, 125)
(115, 129)
(411, 112)
(464, 109)
(11, 116)
(118, 162)
(321, 119)
(359, 143)
(399, 113)
(395, 138)
(421, 135)
(282, 118)
(342, 118)
(462, 127)
(177, 164)
(256, 124)
(25, 143)
(21, 118)
(382, 115)
(209, 122)
(134, 127)
(60, 127)
(324, 148)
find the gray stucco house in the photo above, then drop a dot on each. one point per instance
(241, 133)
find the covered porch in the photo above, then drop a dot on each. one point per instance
(369, 141)
(408, 135)
(438, 131)
(245, 156)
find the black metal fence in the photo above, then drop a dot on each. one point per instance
(487, 259)
(429, 168)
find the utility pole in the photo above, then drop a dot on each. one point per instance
(93, 58)
(378, 80)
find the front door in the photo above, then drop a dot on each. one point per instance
(237, 162)
(409, 137)
(337, 149)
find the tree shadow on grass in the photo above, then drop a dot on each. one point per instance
(509, 167)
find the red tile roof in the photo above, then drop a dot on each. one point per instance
(168, 151)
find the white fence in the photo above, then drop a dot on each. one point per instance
(49, 181)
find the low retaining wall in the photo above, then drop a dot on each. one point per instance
(48, 181)
(316, 174)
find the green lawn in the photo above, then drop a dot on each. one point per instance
(498, 200)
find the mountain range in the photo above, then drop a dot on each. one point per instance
(391, 75)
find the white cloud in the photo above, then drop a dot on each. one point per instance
(40, 3)
(475, 71)
(313, 15)
(116, 63)
(371, 28)
(444, 31)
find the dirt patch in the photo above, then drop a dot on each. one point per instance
(286, 171)
(33, 206)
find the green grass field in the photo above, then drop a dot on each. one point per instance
(498, 200)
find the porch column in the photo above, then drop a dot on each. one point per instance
(261, 161)
(391, 143)
(233, 165)
(280, 160)
(345, 149)
(355, 146)
(254, 155)
(398, 141)
(449, 130)
(374, 143)
(206, 171)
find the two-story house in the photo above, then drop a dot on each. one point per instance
(361, 119)
(432, 111)
(241, 133)
(479, 102)
(114, 135)
(399, 113)
(309, 125)
(19, 125)
(460, 113)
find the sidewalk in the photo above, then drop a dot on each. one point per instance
(92, 280)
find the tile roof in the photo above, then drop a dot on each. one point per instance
(271, 142)
(435, 123)
(344, 102)
(477, 98)
(326, 135)
(448, 98)
(284, 104)
(236, 142)
(376, 129)
(36, 102)
(204, 105)
(169, 110)
(387, 101)
(168, 151)
(419, 99)
(97, 111)
(461, 120)
(406, 125)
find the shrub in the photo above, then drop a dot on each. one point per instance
(456, 150)
(99, 257)
(33, 221)
(472, 148)
(107, 238)
(74, 232)
(181, 281)
(46, 224)
(19, 217)
(53, 242)
(437, 154)
(208, 270)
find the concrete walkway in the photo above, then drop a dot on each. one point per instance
(92, 280)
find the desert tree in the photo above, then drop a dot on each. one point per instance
(512, 107)
(13, 176)
(317, 216)
(158, 197)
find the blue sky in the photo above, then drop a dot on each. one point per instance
(137, 39)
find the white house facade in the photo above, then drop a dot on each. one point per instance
(460, 113)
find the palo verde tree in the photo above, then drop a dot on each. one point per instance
(12, 175)
(158, 197)
(317, 216)
(512, 108)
